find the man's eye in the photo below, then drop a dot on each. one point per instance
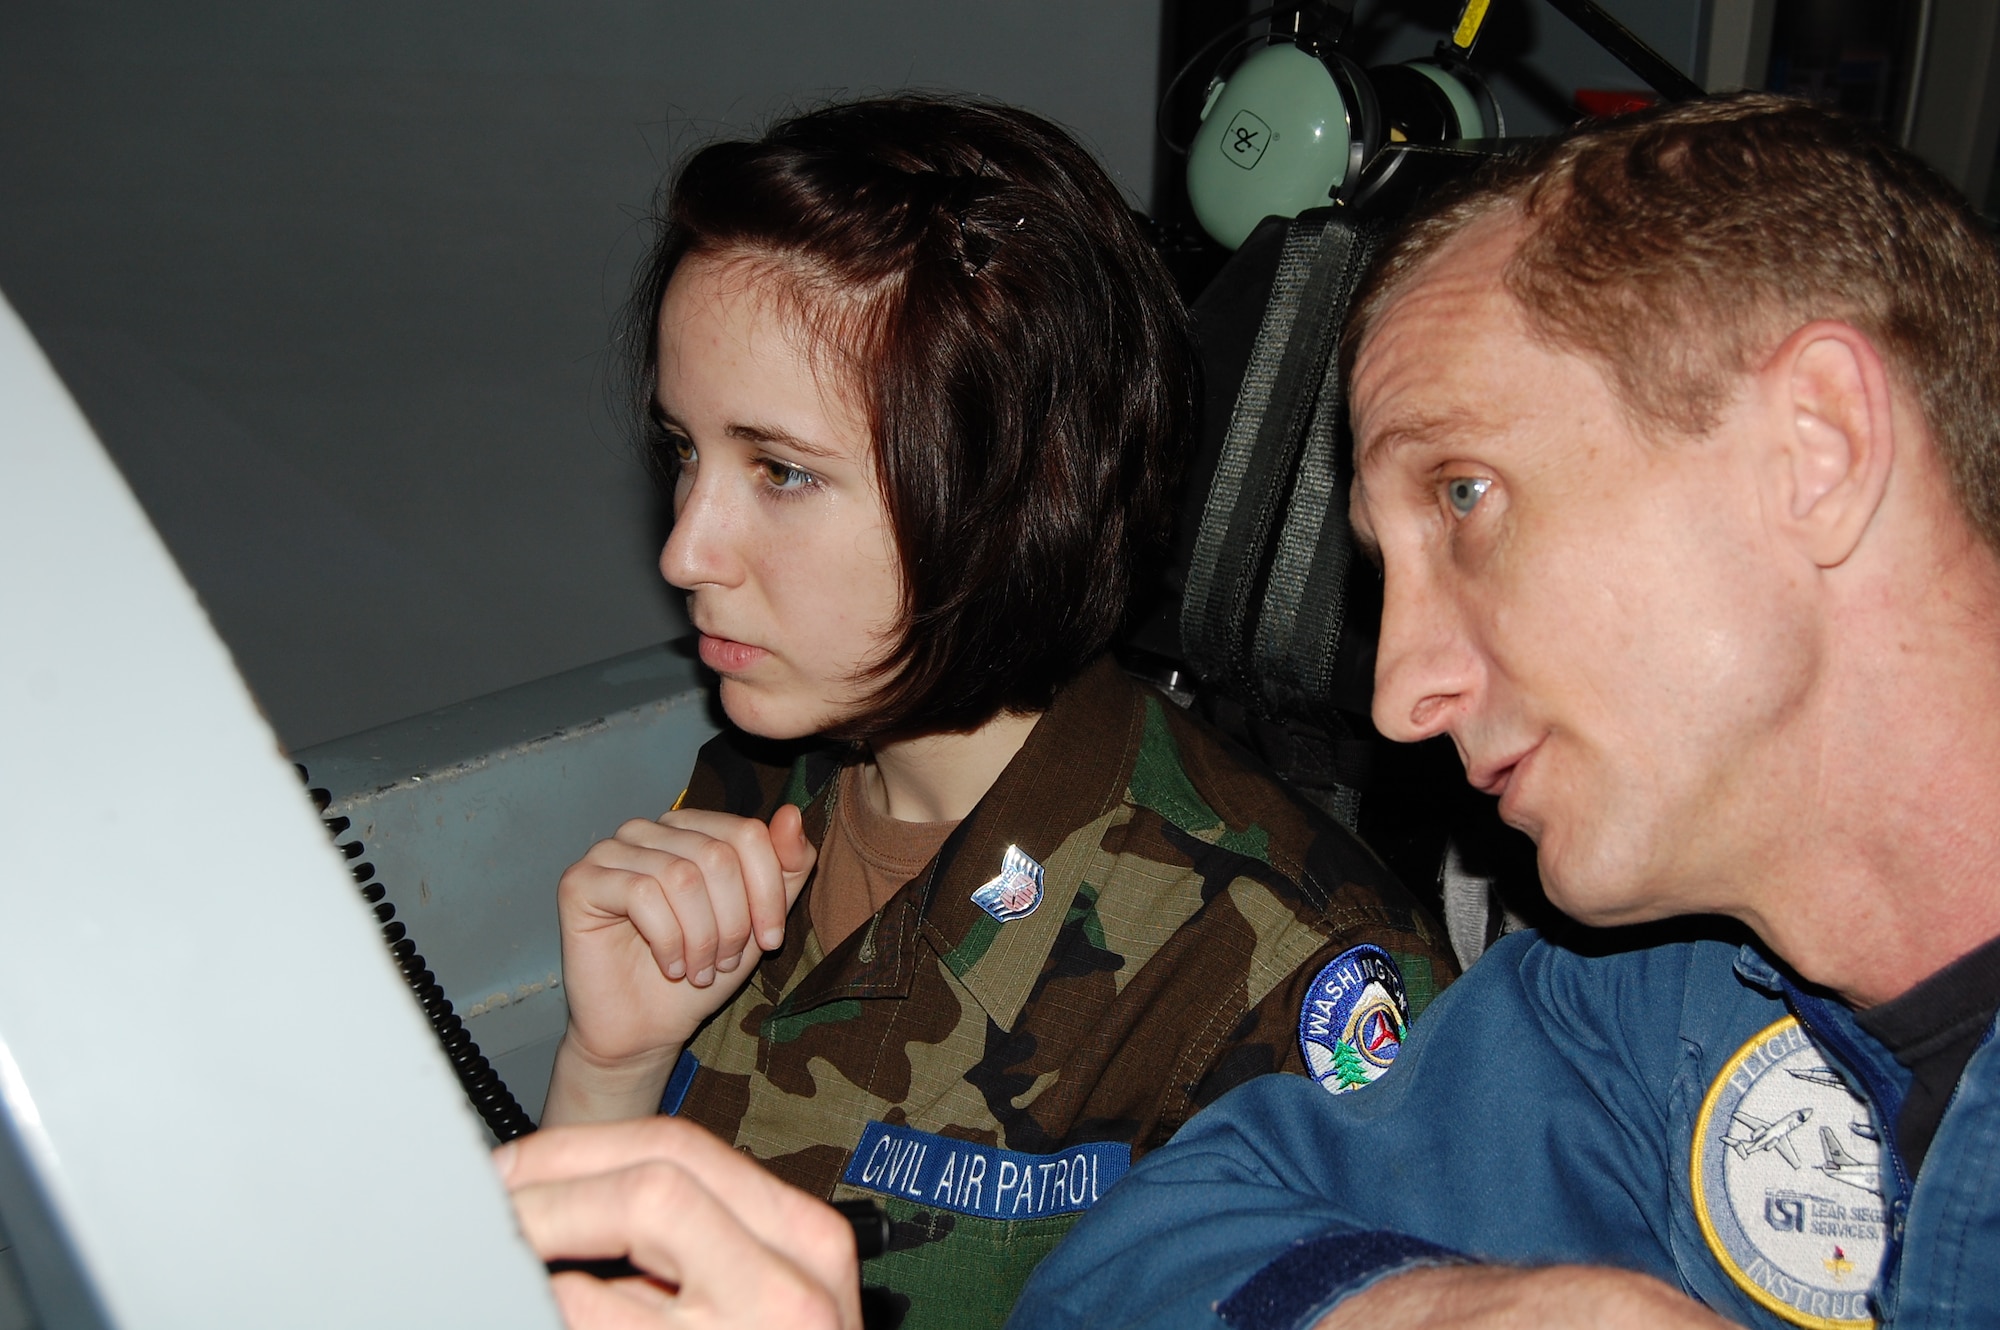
(1465, 493)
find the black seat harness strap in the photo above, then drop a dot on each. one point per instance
(1288, 363)
(1305, 596)
(1265, 594)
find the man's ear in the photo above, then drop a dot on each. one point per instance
(1833, 435)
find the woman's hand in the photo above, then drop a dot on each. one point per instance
(661, 925)
(725, 1243)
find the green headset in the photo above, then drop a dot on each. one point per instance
(1291, 126)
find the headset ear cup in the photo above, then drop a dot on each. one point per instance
(1290, 130)
(1417, 107)
(1465, 87)
(1494, 126)
(1365, 128)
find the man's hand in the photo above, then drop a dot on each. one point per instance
(726, 1243)
(661, 925)
(1494, 1297)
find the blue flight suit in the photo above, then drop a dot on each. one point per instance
(1546, 1110)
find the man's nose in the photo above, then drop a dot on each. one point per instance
(700, 550)
(1425, 669)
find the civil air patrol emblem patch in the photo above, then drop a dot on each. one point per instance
(1352, 1021)
(1787, 1182)
(1016, 892)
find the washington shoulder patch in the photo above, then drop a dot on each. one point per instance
(1352, 1020)
(1787, 1182)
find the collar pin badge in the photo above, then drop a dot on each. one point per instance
(1016, 892)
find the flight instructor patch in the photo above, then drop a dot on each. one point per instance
(1352, 1021)
(1787, 1181)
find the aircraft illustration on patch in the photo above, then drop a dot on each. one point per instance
(1764, 1136)
(1826, 1076)
(1844, 1167)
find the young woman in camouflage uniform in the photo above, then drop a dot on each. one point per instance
(1009, 917)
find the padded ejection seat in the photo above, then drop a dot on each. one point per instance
(1267, 617)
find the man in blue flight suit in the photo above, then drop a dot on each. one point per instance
(1679, 443)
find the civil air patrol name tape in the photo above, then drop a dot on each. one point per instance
(949, 1174)
(1352, 1021)
(1788, 1182)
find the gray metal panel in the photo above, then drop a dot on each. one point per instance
(471, 813)
(1957, 123)
(1739, 44)
(64, 1294)
(15, 1314)
(231, 1111)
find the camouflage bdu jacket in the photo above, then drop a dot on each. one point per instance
(1195, 926)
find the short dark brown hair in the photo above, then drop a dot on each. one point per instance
(1025, 362)
(1678, 246)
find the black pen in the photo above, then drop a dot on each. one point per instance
(869, 1221)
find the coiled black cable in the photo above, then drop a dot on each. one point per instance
(495, 1103)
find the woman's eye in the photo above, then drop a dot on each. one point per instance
(1464, 493)
(783, 476)
(683, 448)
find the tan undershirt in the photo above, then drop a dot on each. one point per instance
(866, 858)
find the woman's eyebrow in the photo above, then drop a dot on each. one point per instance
(784, 438)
